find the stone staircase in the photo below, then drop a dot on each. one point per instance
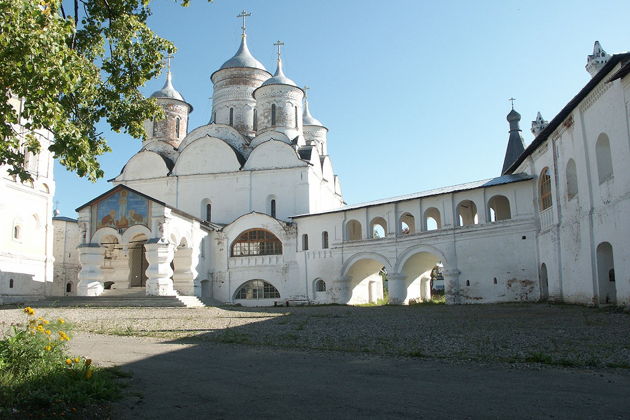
(120, 298)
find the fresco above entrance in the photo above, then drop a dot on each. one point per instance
(121, 210)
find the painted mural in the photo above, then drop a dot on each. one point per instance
(121, 210)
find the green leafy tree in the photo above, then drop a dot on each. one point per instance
(75, 63)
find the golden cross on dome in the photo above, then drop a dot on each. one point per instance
(244, 14)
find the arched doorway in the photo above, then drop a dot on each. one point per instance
(419, 269)
(606, 274)
(367, 280)
(544, 283)
(137, 261)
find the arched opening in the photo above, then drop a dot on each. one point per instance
(324, 240)
(604, 158)
(544, 188)
(544, 283)
(606, 274)
(137, 261)
(572, 182)
(177, 123)
(206, 210)
(305, 242)
(256, 290)
(256, 242)
(10, 283)
(378, 228)
(272, 206)
(407, 224)
(296, 116)
(368, 282)
(432, 219)
(231, 116)
(17, 232)
(273, 114)
(320, 286)
(255, 120)
(423, 276)
(467, 213)
(499, 208)
(68, 288)
(353, 230)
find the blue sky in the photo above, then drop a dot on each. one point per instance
(414, 93)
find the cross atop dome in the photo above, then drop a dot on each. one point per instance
(279, 44)
(244, 14)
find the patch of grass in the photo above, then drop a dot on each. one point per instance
(618, 365)
(538, 357)
(232, 337)
(37, 375)
(416, 353)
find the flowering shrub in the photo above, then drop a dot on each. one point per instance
(37, 371)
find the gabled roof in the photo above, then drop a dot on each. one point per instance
(148, 197)
(502, 180)
(573, 103)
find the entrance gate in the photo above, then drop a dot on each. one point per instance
(137, 264)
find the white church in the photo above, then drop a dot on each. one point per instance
(248, 210)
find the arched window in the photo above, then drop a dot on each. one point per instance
(378, 227)
(272, 205)
(467, 213)
(273, 114)
(17, 232)
(432, 219)
(257, 289)
(305, 242)
(255, 120)
(69, 287)
(324, 240)
(607, 288)
(296, 117)
(231, 116)
(545, 189)
(320, 286)
(499, 208)
(177, 123)
(572, 182)
(407, 224)
(353, 231)
(208, 212)
(256, 242)
(604, 158)
(10, 283)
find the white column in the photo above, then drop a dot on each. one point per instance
(120, 265)
(91, 258)
(184, 275)
(342, 288)
(396, 288)
(159, 254)
(451, 285)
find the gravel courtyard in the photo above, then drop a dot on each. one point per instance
(561, 335)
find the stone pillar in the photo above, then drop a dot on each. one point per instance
(396, 288)
(91, 258)
(342, 287)
(184, 276)
(425, 288)
(159, 254)
(451, 285)
(120, 266)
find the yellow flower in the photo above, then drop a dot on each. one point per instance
(47, 332)
(63, 336)
(40, 328)
(89, 373)
(77, 360)
(88, 362)
(61, 321)
(68, 362)
(29, 311)
(48, 348)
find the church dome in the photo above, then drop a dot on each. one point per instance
(243, 58)
(279, 78)
(513, 116)
(168, 91)
(307, 118)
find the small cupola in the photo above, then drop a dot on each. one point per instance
(279, 102)
(539, 124)
(515, 147)
(173, 127)
(597, 60)
(315, 133)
